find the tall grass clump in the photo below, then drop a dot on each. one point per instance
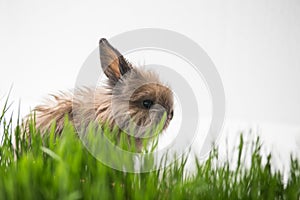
(61, 168)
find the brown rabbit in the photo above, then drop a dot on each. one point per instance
(130, 95)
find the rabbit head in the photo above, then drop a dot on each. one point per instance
(139, 100)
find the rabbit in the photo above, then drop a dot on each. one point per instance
(130, 95)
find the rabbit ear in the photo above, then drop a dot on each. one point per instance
(113, 63)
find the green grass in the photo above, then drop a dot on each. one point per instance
(61, 168)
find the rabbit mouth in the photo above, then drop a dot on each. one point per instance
(166, 124)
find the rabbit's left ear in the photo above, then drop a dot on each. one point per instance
(113, 63)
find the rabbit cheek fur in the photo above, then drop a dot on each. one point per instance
(128, 87)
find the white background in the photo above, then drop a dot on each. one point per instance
(254, 45)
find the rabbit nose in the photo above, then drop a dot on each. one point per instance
(170, 115)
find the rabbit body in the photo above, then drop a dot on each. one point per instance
(130, 94)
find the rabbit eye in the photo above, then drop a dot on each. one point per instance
(147, 103)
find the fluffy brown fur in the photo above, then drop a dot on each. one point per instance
(121, 100)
